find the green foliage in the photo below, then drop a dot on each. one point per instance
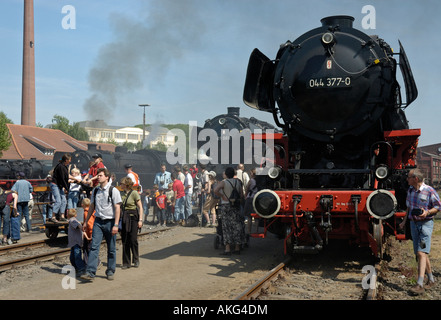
(74, 130)
(5, 138)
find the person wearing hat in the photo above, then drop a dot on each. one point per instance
(24, 190)
(211, 200)
(91, 177)
(132, 175)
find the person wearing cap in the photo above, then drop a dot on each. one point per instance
(132, 175)
(23, 189)
(211, 200)
(91, 177)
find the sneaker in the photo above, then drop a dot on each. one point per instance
(417, 289)
(110, 276)
(86, 277)
(136, 264)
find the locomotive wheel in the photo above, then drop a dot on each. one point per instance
(378, 236)
(51, 232)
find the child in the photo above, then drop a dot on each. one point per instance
(74, 190)
(87, 241)
(155, 193)
(170, 194)
(146, 203)
(75, 242)
(161, 201)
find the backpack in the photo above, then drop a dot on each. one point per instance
(109, 197)
(234, 198)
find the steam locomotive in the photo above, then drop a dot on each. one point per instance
(145, 163)
(339, 168)
(228, 127)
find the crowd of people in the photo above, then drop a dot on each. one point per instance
(112, 207)
(225, 203)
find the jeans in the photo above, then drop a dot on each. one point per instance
(60, 199)
(72, 199)
(23, 209)
(421, 232)
(6, 215)
(76, 260)
(47, 212)
(179, 209)
(102, 229)
(188, 206)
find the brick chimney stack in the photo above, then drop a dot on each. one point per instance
(28, 81)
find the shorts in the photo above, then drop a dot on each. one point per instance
(421, 235)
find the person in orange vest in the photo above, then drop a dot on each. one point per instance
(133, 175)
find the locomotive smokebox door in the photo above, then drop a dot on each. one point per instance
(258, 84)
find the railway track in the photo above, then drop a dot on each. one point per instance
(317, 278)
(46, 253)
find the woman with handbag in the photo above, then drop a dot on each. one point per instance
(131, 222)
(230, 192)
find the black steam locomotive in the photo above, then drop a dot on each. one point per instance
(145, 163)
(340, 167)
(234, 136)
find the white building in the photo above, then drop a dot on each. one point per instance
(100, 131)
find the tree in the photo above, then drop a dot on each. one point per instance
(74, 130)
(5, 138)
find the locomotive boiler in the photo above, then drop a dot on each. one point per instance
(340, 166)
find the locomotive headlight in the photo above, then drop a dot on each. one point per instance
(266, 203)
(274, 172)
(327, 38)
(382, 172)
(381, 204)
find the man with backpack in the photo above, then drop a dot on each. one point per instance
(230, 192)
(105, 201)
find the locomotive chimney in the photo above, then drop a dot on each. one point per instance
(234, 111)
(92, 147)
(333, 21)
(28, 76)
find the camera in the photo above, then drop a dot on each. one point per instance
(416, 212)
(423, 244)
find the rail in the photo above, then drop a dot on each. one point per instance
(255, 290)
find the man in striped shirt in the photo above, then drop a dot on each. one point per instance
(423, 203)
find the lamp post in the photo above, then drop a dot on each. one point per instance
(143, 122)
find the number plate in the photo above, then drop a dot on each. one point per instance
(329, 82)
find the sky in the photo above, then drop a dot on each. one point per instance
(187, 59)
